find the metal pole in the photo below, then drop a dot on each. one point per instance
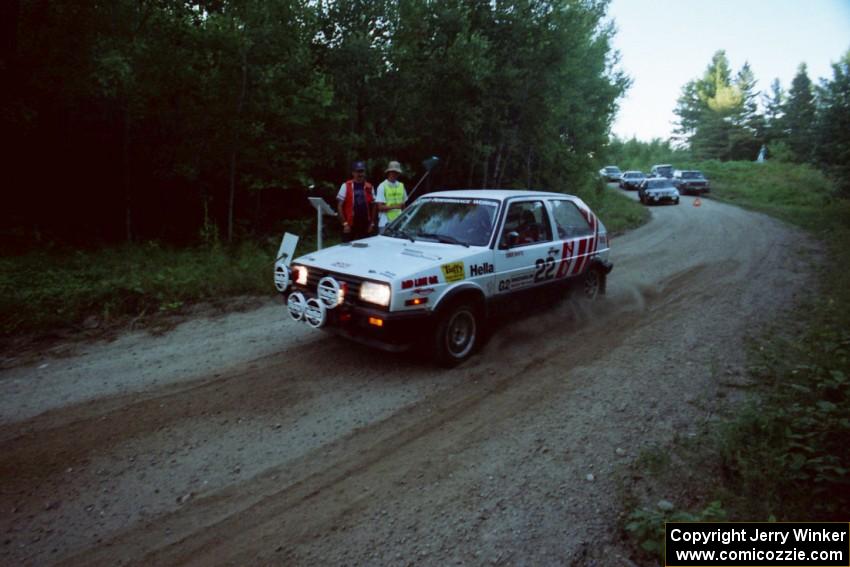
(319, 219)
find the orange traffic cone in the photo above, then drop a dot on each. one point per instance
(697, 202)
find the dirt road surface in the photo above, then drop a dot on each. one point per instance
(251, 439)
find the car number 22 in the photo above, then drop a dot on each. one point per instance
(544, 269)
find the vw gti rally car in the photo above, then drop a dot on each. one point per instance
(444, 265)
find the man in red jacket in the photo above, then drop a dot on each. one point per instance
(354, 203)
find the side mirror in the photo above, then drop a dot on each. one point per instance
(512, 238)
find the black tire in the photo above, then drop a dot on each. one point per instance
(592, 284)
(458, 333)
(676, 202)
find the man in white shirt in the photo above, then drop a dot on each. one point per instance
(391, 196)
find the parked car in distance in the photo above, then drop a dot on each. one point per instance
(445, 265)
(631, 179)
(690, 181)
(656, 190)
(662, 170)
(610, 173)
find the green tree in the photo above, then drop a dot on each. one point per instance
(718, 115)
(833, 124)
(800, 112)
(773, 103)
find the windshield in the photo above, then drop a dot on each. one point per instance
(691, 175)
(612, 170)
(634, 175)
(466, 222)
(659, 184)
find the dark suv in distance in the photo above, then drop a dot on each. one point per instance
(691, 181)
(631, 179)
(662, 170)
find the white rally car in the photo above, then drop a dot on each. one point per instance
(444, 265)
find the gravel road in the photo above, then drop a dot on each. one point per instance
(248, 438)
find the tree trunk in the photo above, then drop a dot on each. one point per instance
(498, 164)
(528, 176)
(125, 161)
(234, 148)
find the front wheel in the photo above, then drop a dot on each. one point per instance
(457, 334)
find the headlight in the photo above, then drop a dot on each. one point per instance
(301, 274)
(378, 293)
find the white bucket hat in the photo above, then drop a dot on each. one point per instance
(393, 166)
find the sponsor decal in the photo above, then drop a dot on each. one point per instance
(574, 261)
(481, 269)
(514, 253)
(453, 272)
(341, 264)
(516, 282)
(424, 290)
(420, 281)
(566, 259)
(386, 274)
(486, 202)
(552, 251)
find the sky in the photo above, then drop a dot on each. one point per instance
(663, 44)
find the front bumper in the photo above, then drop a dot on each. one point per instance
(375, 327)
(661, 198)
(690, 189)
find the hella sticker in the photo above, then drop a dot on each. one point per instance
(481, 269)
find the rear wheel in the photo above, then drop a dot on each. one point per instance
(458, 334)
(592, 284)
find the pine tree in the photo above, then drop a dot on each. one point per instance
(773, 112)
(718, 116)
(833, 124)
(800, 115)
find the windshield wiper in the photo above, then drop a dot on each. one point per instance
(443, 238)
(398, 232)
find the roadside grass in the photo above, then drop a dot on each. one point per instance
(50, 290)
(618, 212)
(784, 455)
(54, 289)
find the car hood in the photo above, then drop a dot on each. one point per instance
(385, 258)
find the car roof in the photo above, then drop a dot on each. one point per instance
(498, 194)
(634, 171)
(662, 165)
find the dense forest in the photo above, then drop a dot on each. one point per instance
(721, 117)
(184, 119)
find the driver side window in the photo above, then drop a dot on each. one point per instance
(529, 222)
